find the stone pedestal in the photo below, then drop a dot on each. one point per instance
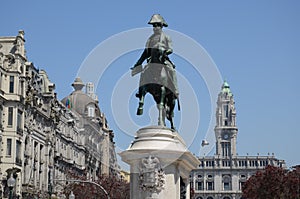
(160, 164)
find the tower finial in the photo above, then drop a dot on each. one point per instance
(226, 88)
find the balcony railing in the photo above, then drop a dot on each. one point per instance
(19, 131)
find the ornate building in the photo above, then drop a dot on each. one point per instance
(222, 176)
(43, 140)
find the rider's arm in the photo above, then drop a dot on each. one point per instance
(169, 45)
(144, 56)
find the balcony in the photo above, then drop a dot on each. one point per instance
(18, 161)
(19, 131)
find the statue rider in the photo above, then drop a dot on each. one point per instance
(158, 47)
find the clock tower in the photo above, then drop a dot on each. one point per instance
(225, 130)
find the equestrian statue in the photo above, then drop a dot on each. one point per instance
(158, 76)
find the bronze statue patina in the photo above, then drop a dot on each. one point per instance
(158, 76)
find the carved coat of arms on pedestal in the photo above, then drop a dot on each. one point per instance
(152, 176)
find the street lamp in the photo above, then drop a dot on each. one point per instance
(71, 196)
(11, 183)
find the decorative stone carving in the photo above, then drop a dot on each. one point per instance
(8, 61)
(152, 176)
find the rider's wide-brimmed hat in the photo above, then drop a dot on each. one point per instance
(157, 18)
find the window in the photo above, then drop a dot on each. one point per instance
(243, 176)
(19, 120)
(21, 88)
(18, 153)
(226, 148)
(225, 108)
(226, 186)
(91, 111)
(36, 151)
(210, 186)
(199, 197)
(243, 180)
(8, 146)
(41, 153)
(11, 84)
(10, 116)
(210, 197)
(226, 182)
(199, 185)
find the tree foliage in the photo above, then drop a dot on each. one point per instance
(115, 187)
(273, 183)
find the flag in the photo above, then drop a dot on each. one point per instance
(68, 104)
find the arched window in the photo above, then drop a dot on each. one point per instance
(199, 182)
(226, 182)
(210, 197)
(210, 183)
(199, 197)
(226, 197)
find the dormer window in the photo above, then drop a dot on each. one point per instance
(91, 111)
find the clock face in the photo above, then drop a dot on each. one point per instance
(226, 136)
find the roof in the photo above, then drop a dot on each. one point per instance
(226, 88)
(79, 101)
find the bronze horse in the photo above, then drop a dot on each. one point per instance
(156, 79)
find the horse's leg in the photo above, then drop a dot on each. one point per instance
(170, 103)
(141, 96)
(161, 107)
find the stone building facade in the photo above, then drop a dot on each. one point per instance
(222, 176)
(42, 139)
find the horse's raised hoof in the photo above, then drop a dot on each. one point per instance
(138, 95)
(139, 111)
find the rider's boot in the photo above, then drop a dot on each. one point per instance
(140, 109)
(161, 108)
(161, 115)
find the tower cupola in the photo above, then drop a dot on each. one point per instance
(225, 130)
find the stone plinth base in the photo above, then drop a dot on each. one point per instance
(160, 164)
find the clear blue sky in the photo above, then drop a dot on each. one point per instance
(254, 44)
